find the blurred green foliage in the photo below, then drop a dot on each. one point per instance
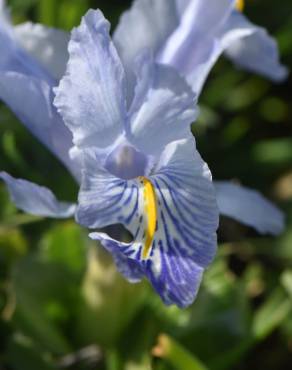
(62, 303)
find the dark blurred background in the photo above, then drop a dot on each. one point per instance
(62, 304)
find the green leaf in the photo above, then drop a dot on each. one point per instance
(220, 316)
(48, 11)
(12, 244)
(143, 364)
(273, 152)
(66, 245)
(43, 293)
(24, 354)
(70, 13)
(176, 355)
(271, 314)
(286, 280)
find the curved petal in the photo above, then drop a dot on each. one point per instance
(199, 21)
(206, 30)
(145, 26)
(90, 97)
(172, 216)
(163, 108)
(12, 56)
(193, 47)
(249, 207)
(47, 45)
(31, 100)
(257, 52)
(35, 199)
(128, 267)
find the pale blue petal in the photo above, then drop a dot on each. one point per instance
(14, 58)
(182, 5)
(257, 52)
(31, 101)
(146, 25)
(47, 45)
(32, 48)
(163, 108)
(199, 24)
(35, 199)
(206, 30)
(193, 47)
(100, 194)
(91, 96)
(26, 87)
(184, 241)
(249, 207)
(186, 237)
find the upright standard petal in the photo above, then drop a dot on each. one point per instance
(257, 52)
(246, 44)
(91, 96)
(146, 25)
(171, 214)
(47, 45)
(249, 207)
(163, 107)
(35, 199)
(193, 47)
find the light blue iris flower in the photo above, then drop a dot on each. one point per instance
(190, 35)
(32, 60)
(138, 158)
(140, 165)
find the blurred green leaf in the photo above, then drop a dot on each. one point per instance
(12, 244)
(11, 150)
(47, 12)
(286, 280)
(113, 360)
(66, 244)
(221, 314)
(273, 152)
(175, 354)
(70, 12)
(271, 314)
(143, 364)
(273, 109)
(23, 354)
(39, 287)
(246, 94)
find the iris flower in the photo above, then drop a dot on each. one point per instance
(33, 59)
(140, 166)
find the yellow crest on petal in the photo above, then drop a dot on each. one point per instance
(150, 214)
(239, 5)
